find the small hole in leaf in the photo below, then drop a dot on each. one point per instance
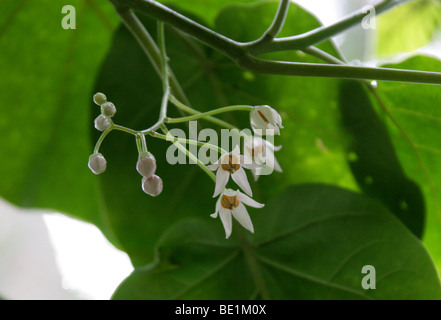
(352, 157)
(249, 76)
(403, 205)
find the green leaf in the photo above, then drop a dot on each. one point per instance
(373, 159)
(408, 27)
(297, 253)
(312, 141)
(204, 8)
(412, 115)
(47, 76)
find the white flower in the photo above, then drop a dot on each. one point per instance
(231, 203)
(265, 120)
(261, 152)
(231, 164)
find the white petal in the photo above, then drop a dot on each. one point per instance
(277, 148)
(218, 204)
(240, 177)
(230, 193)
(236, 150)
(248, 163)
(243, 198)
(225, 217)
(213, 166)
(221, 181)
(272, 130)
(241, 215)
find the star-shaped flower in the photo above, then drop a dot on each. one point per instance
(231, 164)
(231, 203)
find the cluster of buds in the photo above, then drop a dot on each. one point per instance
(146, 166)
(108, 110)
(97, 162)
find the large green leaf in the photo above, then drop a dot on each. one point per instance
(374, 161)
(47, 74)
(311, 242)
(312, 143)
(413, 116)
(408, 27)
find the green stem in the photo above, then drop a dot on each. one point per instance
(338, 71)
(188, 153)
(208, 113)
(320, 34)
(162, 13)
(190, 110)
(124, 129)
(148, 45)
(189, 141)
(101, 139)
(277, 24)
(242, 53)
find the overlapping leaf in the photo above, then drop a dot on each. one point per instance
(413, 119)
(408, 27)
(374, 161)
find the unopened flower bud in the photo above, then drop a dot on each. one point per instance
(108, 109)
(97, 163)
(102, 123)
(146, 164)
(152, 186)
(99, 98)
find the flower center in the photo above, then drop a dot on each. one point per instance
(229, 202)
(232, 166)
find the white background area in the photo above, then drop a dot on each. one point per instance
(50, 256)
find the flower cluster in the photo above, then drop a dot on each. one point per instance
(258, 156)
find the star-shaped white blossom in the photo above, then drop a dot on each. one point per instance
(231, 204)
(231, 164)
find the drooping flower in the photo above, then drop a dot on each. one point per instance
(97, 163)
(261, 152)
(231, 164)
(152, 185)
(231, 204)
(265, 120)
